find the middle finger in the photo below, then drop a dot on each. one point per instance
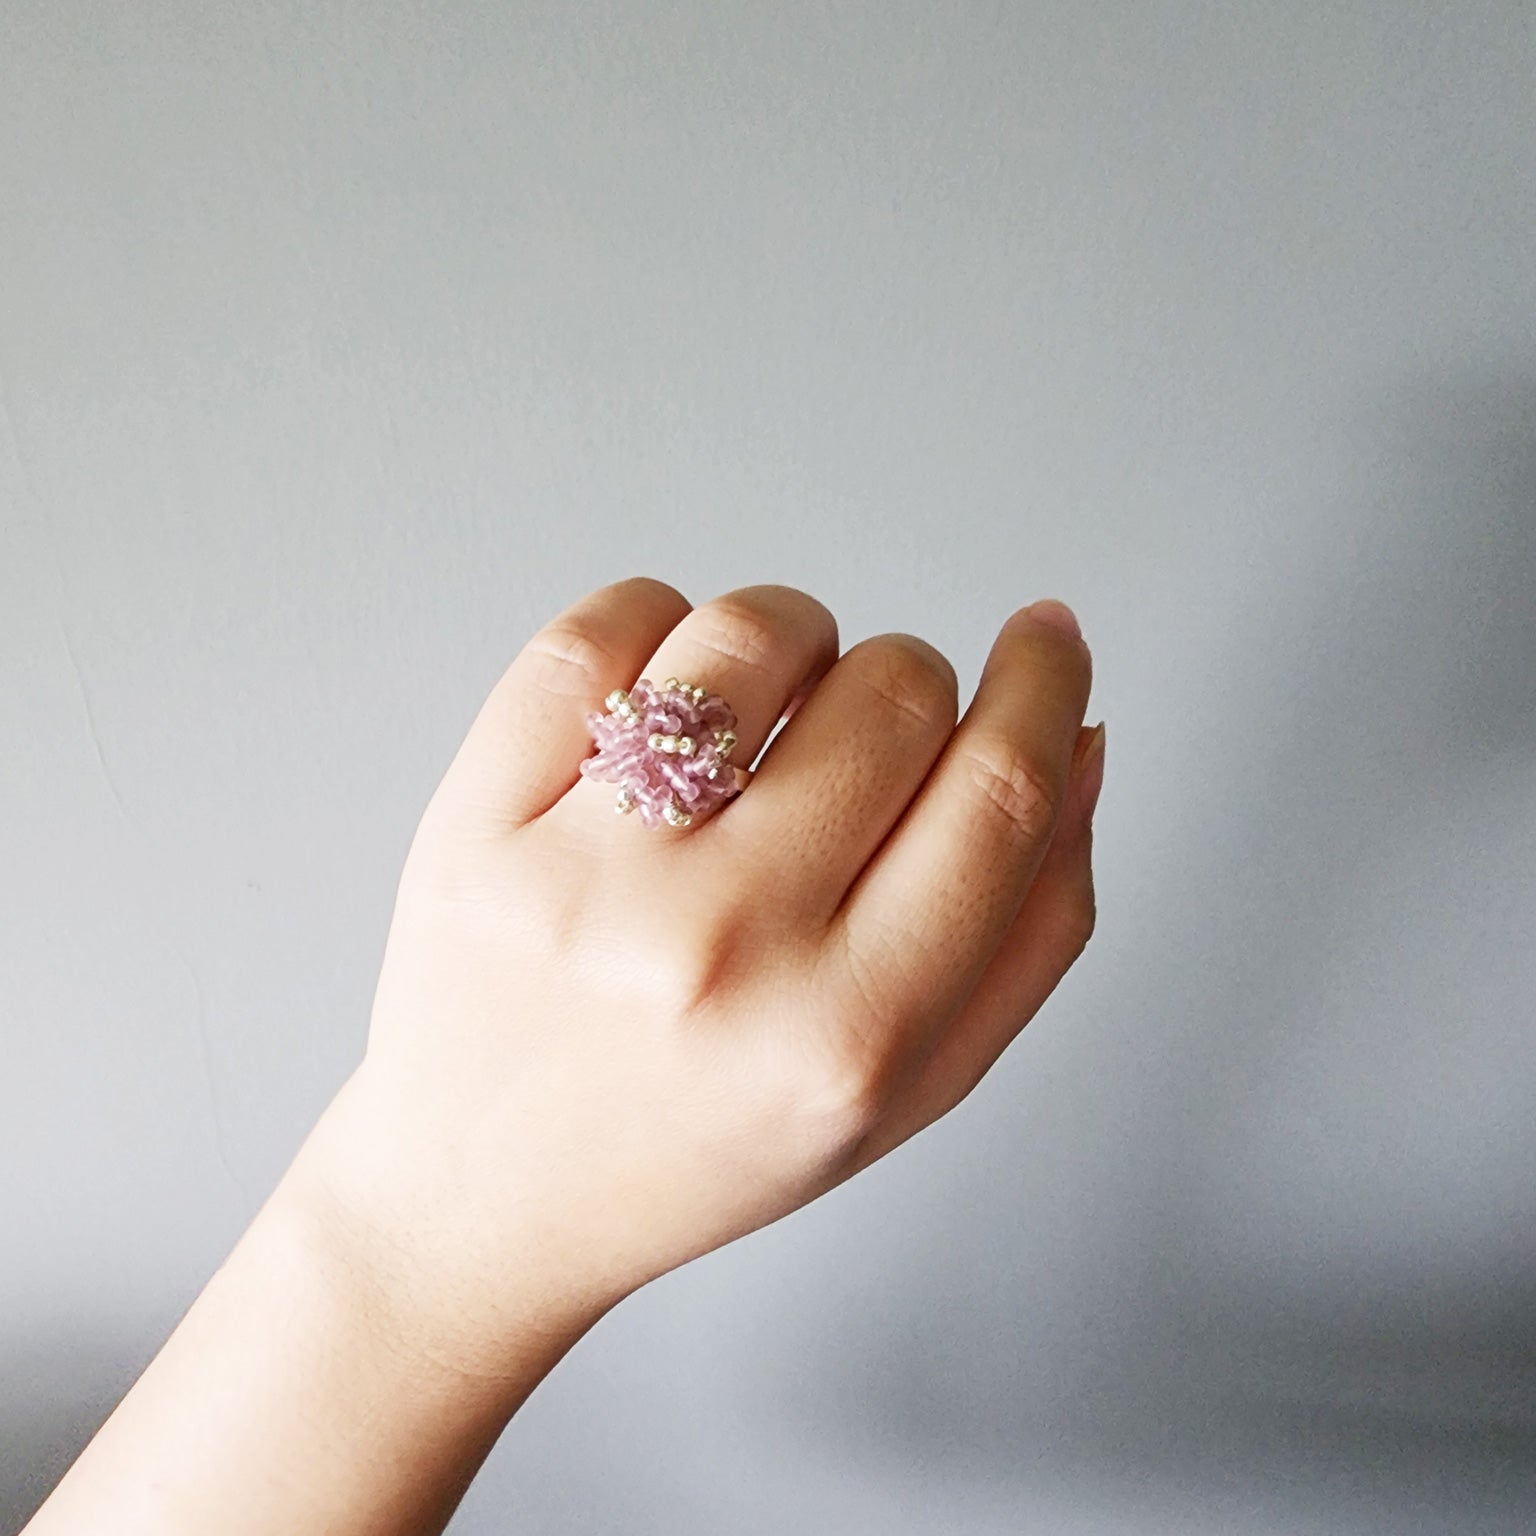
(841, 772)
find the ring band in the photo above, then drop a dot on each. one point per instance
(667, 749)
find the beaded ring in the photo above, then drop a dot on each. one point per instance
(667, 749)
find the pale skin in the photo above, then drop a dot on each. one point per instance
(599, 1050)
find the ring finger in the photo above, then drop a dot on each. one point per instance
(760, 647)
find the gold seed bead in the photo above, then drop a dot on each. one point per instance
(674, 814)
(685, 745)
(671, 682)
(624, 801)
(616, 700)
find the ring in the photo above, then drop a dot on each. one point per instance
(666, 748)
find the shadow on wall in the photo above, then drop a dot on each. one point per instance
(1331, 1285)
(1319, 1272)
(58, 1392)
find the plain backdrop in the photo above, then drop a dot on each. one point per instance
(341, 345)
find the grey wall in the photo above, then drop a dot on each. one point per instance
(340, 345)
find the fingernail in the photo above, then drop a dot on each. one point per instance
(1092, 770)
(1057, 615)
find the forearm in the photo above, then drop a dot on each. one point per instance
(301, 1393)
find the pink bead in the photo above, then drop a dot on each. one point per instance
(655, 779)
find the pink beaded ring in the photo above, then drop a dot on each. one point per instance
(667, 749)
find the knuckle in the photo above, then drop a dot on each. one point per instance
(735, 629)
(847, 1103)
(687, 968)
(1019, 792)
(911, 677)
(565, 659)
(452, 878)
(446, 847)
(841, 1097)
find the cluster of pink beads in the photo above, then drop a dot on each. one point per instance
(666, 748)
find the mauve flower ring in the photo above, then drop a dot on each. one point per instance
(667, 749)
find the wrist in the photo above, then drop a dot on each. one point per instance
(398, 1237)
(308, 1388)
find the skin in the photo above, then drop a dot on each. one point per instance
(599, 1050)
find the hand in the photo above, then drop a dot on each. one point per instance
(598, 1050)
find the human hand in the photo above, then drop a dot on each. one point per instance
(598, 1050)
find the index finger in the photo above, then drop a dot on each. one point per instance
(926, 914)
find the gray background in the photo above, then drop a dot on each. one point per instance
(341, 345)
